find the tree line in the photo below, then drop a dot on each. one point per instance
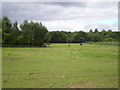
(35, 34)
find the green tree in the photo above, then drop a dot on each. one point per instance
(69, 37)
(96, 37)
(39, 32)
(58, 37)
(103, 34)
(90, 35)
(91, 31)
(96, 30)
(6, 30)
(109, 33)
(33, 33)
(15, 33)
(0, 23)
(79, 37)
(25, 30)
(47, 37)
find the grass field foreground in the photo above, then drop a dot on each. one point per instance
(60, 66)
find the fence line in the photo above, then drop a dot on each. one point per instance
(105, 43)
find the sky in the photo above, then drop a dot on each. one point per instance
(65, 16)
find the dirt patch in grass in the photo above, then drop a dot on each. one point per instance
(31, 73)
(20, 79)
(81, 85)
(77, 58)
(97, 71)
(7, 75)
(61, 76)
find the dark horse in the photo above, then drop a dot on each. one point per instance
(81, 44)
(69, 45)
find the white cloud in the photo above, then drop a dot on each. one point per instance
(68, 25)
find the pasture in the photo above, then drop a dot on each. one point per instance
(60, 66)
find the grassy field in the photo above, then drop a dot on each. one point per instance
(60, 66)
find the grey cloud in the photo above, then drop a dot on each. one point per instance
(99, 26)
(102, 5)
(30, 11)
(84, 12)
(53, 11)
(0, 9)
(60, 1)
(67, 4)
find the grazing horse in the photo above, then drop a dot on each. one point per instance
(81, 44)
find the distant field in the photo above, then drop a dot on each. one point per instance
(60, 66)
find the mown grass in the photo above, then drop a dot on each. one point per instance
(60, 66)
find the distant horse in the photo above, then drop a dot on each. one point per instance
(81, 44)
(69, 45)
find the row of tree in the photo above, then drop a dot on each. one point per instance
(29, 33)
(35, 34)
(81, 36)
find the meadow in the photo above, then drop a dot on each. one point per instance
(60, 66)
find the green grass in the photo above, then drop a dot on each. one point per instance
(60, 66)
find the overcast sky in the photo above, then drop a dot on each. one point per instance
(67, 16)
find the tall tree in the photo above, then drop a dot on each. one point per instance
(39, 32)
(96, 30)
(6, 30)
(91, 31)
(25, 32)
(15, 33)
